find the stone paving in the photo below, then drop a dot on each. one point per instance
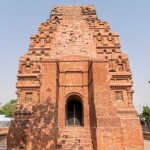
(3, 144)
(147, 144)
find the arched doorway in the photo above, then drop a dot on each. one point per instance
(74, 111)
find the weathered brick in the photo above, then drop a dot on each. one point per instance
(75, 59)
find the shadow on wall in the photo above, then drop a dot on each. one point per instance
(33, 129)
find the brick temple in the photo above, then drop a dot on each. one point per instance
(74, 88)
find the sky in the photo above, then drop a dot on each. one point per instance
(19, 19)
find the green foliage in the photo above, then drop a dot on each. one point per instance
(8, 108)
(146, 115)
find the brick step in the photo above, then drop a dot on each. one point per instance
(75, 131)
(80, 148)
(66, 136)
(76, 147)
(86, 143)
(75, 128)
(89, 146)
(78, 134)
(75, 143)
(74, 137)
(72, 145)
(81, 131)
(75, 140)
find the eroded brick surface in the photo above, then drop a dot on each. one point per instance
(75, 56)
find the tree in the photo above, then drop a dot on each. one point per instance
(146, 115)
(8, 108)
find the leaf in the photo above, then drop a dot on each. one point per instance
(146, 114)
(8, 108)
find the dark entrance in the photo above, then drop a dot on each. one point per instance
(74, 113)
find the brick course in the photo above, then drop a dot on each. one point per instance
(75, 55)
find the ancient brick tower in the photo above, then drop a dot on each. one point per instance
(75, 88)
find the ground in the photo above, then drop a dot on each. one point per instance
(147, 144)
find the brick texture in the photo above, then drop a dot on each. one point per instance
(75, 56)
